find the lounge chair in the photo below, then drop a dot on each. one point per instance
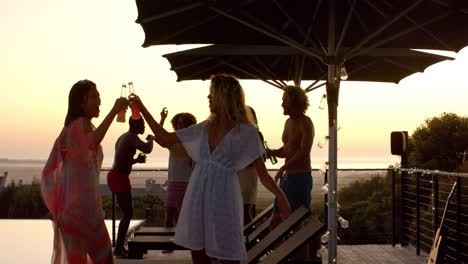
(170, 231)
(287, 248)
(276, 235)
(140, 244)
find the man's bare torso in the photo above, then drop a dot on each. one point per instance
(298, 136)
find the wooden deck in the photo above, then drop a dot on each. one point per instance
(362, 254)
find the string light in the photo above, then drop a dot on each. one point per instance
(343, 73)
(324, 189)
(323, 102)
(343, 222)
(322, 142)
(325, 237)
(324, 168)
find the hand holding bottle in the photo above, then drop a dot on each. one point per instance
(120, 105)
(121, 113)
(270, 155)
(141, 158)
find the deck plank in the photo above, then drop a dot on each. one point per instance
(347, 254)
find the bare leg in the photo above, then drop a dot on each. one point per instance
(125, 202)
(200, 257)
(169, 217)
(249, 213)
(275, 221)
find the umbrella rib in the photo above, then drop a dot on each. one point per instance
(290, 19)
(429, 33)
(406, 67)
(345, 27)
(311, 87)
(388, 24)
(170, 13)
(281, 39)
(192, 26)
(253, 75)
(198, 73)
(273, 31)
(192, 63)
(411, 21)
(350, 54)
(269, 71)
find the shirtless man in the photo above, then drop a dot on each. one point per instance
(118, 177)
(298, 135)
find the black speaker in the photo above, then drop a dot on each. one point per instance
(399, 142)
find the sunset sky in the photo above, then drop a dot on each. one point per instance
(49, 45)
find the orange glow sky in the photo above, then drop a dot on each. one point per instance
(48, 45)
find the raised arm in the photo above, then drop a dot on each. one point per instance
(101, 130)
(163, 114)
(162, 137)
(144, 147)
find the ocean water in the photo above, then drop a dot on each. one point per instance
(26, 172)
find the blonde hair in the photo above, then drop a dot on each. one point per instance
(228, 100)
(297, 98)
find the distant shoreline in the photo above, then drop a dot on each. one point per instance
(32, 161)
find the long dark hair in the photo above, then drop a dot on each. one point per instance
(76, 99)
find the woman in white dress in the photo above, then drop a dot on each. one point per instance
(210, 221)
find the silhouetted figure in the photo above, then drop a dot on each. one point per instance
(118, 177)
(210, 222)
(70, 180)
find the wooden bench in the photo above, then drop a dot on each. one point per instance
(155, 231)
(302, 236)
(276, 235)
(161, 238)
(140, 244)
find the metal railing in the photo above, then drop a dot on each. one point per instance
(423, 195)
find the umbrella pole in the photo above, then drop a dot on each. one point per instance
(332, 96)
(332, 90)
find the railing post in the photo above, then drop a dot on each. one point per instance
(458, 235)
(325, 199)
(113, 219)
(403, 242)
(418, 215)
(435, 203)
(394, 236)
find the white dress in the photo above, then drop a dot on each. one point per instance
(212, 212)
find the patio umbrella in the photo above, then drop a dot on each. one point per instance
(276, 64)
(326, 26)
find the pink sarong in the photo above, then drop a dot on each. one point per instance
(70, 190)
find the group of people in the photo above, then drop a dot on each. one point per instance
(209, 164)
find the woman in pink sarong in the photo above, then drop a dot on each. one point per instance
(70, 181)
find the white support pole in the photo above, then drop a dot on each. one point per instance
(332, 96)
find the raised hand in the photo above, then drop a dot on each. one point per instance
(120, 104)
(285, 208)
(135, 99)
(164, 113)
(149, 137)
